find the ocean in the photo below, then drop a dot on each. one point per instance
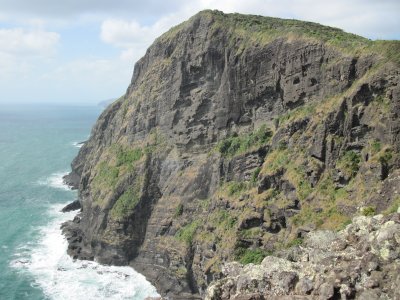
(37, 145)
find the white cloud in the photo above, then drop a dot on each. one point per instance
(18, 41)
(13, 68)
(91, 68)
(130, 54)
(131, 37)
(82, 80)
(23, 51)
(72, 8)
(121, 33)
(90, 78)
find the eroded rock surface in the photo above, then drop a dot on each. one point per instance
(360, 262)
(238, 136)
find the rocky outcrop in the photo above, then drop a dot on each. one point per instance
(237, 136)
(75, 205)
(72, 180)
(359, 262)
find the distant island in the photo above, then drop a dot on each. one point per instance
(106, 103)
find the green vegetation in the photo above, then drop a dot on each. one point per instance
(128, 156)
(292, 164)
(297, 113)
(332, 218)
(225, 220)
(394, 207)
(376, 146)
(125, 108)
(219, 228)
(238, 144)
(368, 211)
(327, 215)
(295, 242)
(251, 233)
(389, 49)
(327, 218)
(349, 163)
(181, 272)
(186, 233)
(106, 176)
(179, 210)
(383, 103)
(343, 225)
(246, 256)
(306, 215)
(275, 161)
(235, 188)
(297, 177)
(126, 203)
(156, 142)
(115, 164)
(264, 29)
(386, 156)
(327, 190)
(205, 204)
(254, 175)
(258, 29)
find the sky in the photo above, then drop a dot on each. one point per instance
(83, 51)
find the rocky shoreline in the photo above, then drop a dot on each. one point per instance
(72, 180)
(75, 205)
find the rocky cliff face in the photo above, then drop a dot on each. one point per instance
(237, 136)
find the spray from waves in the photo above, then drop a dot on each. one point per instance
(60, 277)
(78, 144)
(55, 180)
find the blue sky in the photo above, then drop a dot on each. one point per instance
(83, 51)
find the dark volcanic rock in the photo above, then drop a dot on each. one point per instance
(182, 174)
(72, 180)
(75, 205)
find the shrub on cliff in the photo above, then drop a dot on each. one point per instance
(238, 144)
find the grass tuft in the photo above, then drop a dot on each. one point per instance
(239, 144)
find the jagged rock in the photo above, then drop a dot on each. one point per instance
(347, 273)
(318, 147)
(326, 291)
(72, 180)
(75, 205)
(304, 286)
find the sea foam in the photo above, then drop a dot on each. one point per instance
(55, 180)
(77, 144)
(60, 277)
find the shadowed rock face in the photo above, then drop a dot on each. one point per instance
(237, 134)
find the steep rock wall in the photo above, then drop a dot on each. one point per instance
(237, 136)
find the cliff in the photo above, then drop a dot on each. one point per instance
(237, 136)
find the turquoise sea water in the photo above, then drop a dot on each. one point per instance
(37, 144)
